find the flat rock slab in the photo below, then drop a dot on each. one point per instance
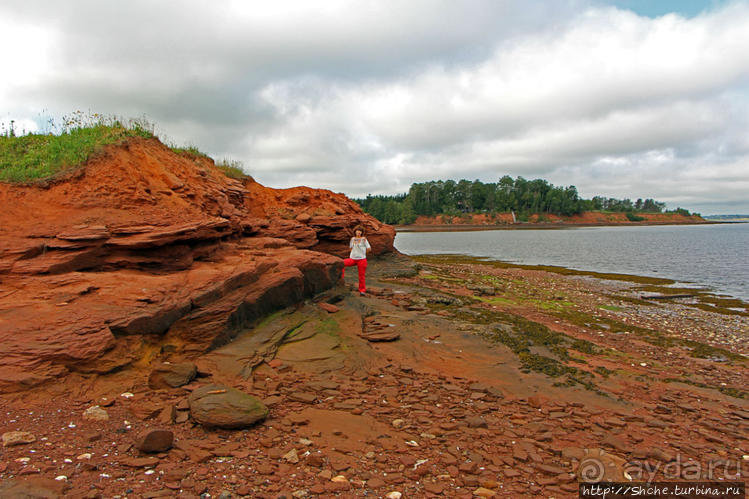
(348, 432)
(32, 487)
(319, 346)
(307, 339)
(13, 438)
(169, 375)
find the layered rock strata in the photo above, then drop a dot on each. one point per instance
(143, 250)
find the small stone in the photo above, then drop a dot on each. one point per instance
(393, 495)
(155, 440)
(398, 423)
(168, 375)
(331, 309)
(375, 483)
(660, 455)
(93, 437)
(291, 456)
(12, 438)
(265, 469)
(550, 469)
(482, 492)
(434, 488)
(469, 467)
(140, 462)
(305, 397)
(536, 401)
(167, 415)
(95, 413)
(476, 422)
(244, 490)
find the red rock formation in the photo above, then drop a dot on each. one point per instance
(143, 247)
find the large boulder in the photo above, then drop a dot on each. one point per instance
(225, 407)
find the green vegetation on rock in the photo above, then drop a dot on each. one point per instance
(38, 156)
(30, 157)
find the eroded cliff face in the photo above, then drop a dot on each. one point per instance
(143, 250)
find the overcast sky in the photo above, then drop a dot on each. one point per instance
(619, 98)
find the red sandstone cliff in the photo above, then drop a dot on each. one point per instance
(143, 250)
(546, 219)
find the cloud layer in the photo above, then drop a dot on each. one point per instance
(368, 97)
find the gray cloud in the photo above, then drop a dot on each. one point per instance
(368, 97)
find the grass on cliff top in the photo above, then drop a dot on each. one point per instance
(38, 156)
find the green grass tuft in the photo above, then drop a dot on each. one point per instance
(232, 169)
(190, 150)
(80, 136)
(34, 156)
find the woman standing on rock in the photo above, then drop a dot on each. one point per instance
(358, 256)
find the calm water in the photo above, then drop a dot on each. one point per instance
(710, 256)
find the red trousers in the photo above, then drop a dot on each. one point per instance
(361, 266)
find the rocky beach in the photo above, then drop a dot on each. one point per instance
(168, 331)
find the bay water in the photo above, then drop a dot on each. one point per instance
(713, 256)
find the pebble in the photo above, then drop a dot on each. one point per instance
(13, 438)
(95, 413)
(291, 456)
(476, 422)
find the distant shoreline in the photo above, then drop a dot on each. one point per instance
(542, 225)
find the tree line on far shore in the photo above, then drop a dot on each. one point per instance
(520, 196)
